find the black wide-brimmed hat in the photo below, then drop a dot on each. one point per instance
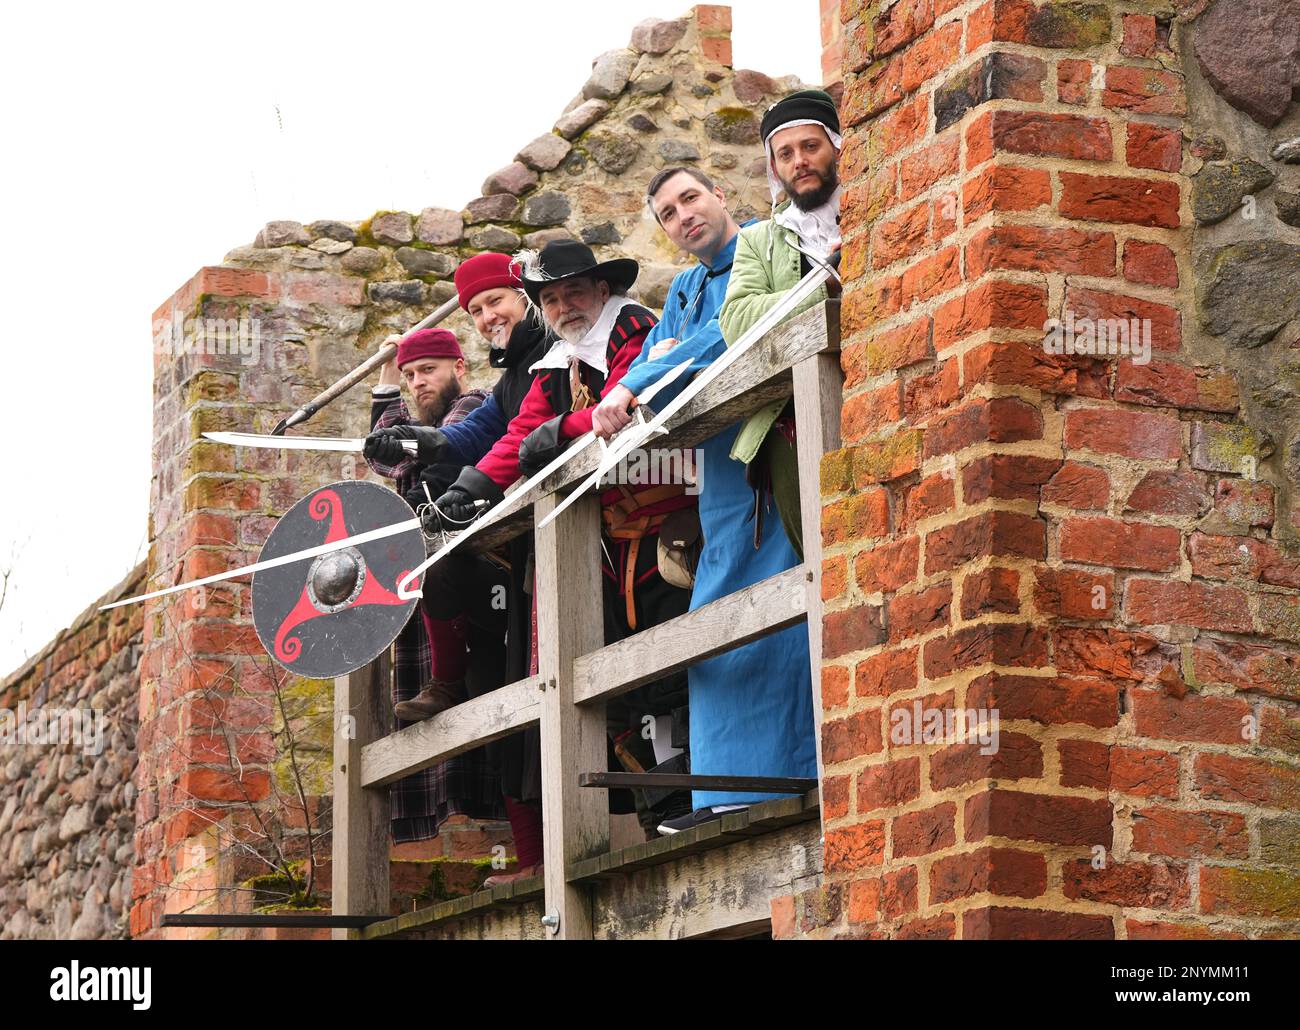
(569, 259)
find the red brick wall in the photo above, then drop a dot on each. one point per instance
(1085, 544)
(209, 793)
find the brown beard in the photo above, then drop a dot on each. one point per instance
(434, 410)
(814, 198)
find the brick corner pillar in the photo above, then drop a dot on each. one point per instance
(1016, 531)
(234, 349)
(712, 28)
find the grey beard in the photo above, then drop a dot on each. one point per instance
(576, 333)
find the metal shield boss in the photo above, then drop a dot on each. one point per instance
(330, 615)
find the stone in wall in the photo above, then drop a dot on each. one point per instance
(1288, 207)
(1249, 50)
(1252, 292)
(1287, 151)
(439, 226)
(1219, 188)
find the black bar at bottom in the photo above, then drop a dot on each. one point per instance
(739, 784)
(304, 921)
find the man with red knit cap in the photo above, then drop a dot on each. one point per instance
(431, 365)
(463, 626)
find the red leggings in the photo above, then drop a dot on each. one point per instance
(526, 826)
(447, 642)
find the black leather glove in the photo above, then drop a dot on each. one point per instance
(473, 492)
(541, 447)
(385, 445)
(437, 477)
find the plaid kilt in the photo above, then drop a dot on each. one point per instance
(466, 785)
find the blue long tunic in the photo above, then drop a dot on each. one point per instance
(751, 708)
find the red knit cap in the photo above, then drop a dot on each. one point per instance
(485, 271)
(428, 343)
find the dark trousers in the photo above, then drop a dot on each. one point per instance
(653, 601)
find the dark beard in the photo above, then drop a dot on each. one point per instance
(432, 412)
(814, 199)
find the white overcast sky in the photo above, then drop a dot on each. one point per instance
(147, 140)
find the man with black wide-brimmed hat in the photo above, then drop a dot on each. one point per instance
(584, 302)
(572, 292)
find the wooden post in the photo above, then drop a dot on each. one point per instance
(818, 393)
(361, 848)
(570, 623)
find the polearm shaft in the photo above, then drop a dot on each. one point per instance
(380, 357)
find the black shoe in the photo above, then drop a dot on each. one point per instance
(700, 815)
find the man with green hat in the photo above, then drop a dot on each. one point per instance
(801, 136)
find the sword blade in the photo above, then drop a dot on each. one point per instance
(271, 563)
(648, 394)
(631, 438)
(298, 443)
(638, 435)
(508, 504)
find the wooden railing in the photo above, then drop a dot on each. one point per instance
(577, 674)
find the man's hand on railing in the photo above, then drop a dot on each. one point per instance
(833, 288)
(472, 494)
(614, 412)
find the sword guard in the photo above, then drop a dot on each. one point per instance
(640, 417)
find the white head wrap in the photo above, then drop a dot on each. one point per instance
(819, 229)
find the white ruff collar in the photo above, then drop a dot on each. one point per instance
(590, 350)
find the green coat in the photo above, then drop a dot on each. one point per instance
(766, 267)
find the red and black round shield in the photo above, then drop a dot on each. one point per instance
(326, 616)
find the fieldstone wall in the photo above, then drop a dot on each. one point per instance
(243, 343)
(67, 804)
(1242, 67)
(669, 97)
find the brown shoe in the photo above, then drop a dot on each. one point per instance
(519, 874)
(437, 697)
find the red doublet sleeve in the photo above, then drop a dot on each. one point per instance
(631, 330)
(501, 463)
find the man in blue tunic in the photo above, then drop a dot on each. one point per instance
(750, 708)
